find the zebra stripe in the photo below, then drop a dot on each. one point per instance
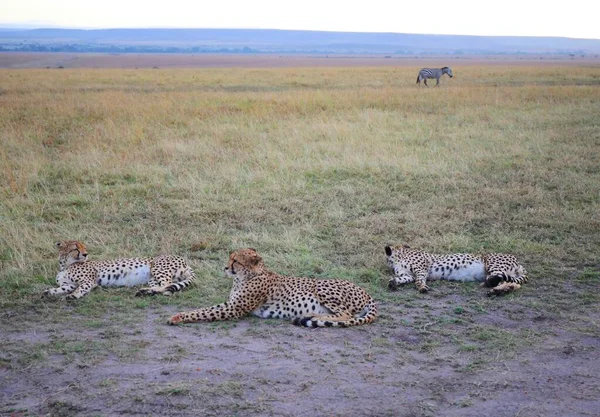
(431, 73)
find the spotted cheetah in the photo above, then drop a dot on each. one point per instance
(307, 302)
(413, 265)
(77, 276)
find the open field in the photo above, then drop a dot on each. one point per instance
(91, 60)
(318, 169)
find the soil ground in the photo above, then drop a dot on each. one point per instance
(439, 354)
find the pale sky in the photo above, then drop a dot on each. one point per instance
(576, 18)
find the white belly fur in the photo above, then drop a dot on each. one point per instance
(473, 272)
(128, 277)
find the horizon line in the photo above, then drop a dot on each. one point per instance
(26, 26)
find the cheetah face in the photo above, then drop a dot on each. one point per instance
(393, 253)
(70, 252)
(244, 262)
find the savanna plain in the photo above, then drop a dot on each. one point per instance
(318, 169)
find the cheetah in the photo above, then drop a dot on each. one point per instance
(165, 274)
(305, 301)
(502, 272)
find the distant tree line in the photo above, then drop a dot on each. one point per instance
(37, 47)
(109, 48)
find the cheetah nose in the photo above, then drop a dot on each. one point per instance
(84, 255)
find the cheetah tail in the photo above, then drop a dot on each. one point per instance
(368, 315)
(181, 285)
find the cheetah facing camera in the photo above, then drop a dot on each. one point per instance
(502, 272)
(77, 276)
(307, 302)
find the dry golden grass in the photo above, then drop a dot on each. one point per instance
(317, 168)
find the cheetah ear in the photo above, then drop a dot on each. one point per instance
(254, 259)
(404, 245)
(388, 251)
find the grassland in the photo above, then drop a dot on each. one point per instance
(318, 169)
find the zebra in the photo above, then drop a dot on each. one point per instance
(431, 73)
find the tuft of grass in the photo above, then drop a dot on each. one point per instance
(174, 389)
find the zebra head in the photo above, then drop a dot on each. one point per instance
(447, 70)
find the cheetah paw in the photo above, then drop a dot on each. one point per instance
(504, 288)
(176, 319)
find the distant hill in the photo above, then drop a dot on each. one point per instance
(281, 41)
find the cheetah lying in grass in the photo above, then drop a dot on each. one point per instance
(77, 276)
(500, 271)
(307, 302)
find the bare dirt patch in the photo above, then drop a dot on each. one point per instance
(439, 354)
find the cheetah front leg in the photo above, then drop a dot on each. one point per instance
(229, 310)
(399, 279)
(421, 280)
(82, 290)
(63, 289)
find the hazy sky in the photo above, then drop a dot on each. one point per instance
(576, 18)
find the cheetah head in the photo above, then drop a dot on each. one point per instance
(393, 253)
(70, 252)
(243, 263)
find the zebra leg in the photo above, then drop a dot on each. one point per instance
(437, 84)
(425, 81)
